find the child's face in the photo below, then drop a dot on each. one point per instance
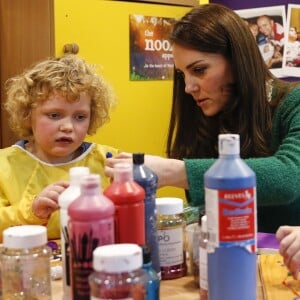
(254, 29)
(292, 34)
(59, 127)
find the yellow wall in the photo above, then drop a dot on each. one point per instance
(101, 29)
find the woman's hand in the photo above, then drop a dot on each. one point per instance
(47, 201)
(170, 172)
(110, 163)
(289, 237)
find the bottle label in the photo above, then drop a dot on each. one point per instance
(84, 239)
(203, 268)
(170, 247)
(231, 218)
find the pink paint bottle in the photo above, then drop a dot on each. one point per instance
(91, 224)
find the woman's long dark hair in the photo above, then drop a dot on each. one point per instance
(213, 28)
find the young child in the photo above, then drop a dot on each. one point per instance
(265, 47)
(52, 107)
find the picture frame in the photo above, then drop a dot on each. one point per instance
(263, 21)
(291, 57)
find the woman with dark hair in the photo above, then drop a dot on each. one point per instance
(222, 85)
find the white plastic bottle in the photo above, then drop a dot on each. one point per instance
(64, 200)
(203, 259)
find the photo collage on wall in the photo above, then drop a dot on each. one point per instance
(275, 29)
(277, 35)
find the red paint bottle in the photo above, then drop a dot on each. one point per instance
(128, 198)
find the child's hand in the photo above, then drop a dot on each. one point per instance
(289, 237)
(47, 201)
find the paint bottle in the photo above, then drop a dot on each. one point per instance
(170, 225)
(118, 273)
(25, 263)
(91, 224)
(230, 202)
(146, 178)
(196, 241)
(153, 281)
(203, 259)
(128, 198)
(64, 200)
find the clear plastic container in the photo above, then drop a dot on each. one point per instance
(118, 273)
(170, 225)
(25, 263)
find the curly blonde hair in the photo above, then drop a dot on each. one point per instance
(69, 76)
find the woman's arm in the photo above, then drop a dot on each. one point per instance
(170, 172)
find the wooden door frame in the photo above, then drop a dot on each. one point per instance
(26, 36)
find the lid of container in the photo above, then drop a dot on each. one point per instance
(201, 213)
(117, 258)
(138, 158)
(90, 180)
(229, 144)
(146, 254)
(169, 205)
(76, 174)
(204, 223)
(24, 236)
(73, 191)
(123, 172)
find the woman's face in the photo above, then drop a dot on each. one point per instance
(208, 78)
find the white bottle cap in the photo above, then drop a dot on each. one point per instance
(169, 206)
(229, 144)
(73, 191)
(204, 223)
(76, 174)
(24, 236)
(123, 172)
(117, 258)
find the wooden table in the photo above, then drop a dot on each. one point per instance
(271, 273)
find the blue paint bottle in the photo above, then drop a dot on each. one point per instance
(147, 179)
(230, 202)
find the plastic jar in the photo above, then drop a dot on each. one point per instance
(170, 225)
(118, 273)
(25, 263)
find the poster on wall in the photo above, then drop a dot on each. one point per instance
(151, 55)
(291, 57)
(268, 26)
